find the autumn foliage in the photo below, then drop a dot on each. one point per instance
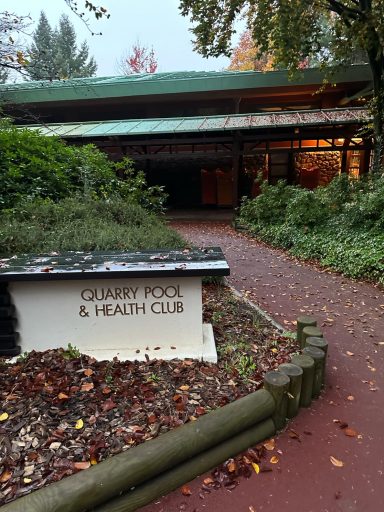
(140, 60)
(245, 56)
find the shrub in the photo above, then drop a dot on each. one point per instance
(36, 166)
(305, 208)
(83, 225)
(270, 206)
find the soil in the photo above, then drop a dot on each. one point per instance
(61, 412)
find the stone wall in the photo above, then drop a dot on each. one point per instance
(328, 163)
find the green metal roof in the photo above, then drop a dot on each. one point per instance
(167, 83)
(95, 129)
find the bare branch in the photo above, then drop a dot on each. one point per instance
(99, 13)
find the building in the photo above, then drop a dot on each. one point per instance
(205, 136)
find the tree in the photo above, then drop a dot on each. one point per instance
(11, 51)
(54, 53)
(70, 61)
(245, 56)
(139, 60)
(41, 58)
(293, 30)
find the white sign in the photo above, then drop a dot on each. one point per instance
(127, 318)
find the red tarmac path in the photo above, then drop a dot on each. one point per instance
(352, 317)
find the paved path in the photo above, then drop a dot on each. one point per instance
(352, 316)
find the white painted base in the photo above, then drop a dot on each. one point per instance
(206, 352)
(124, 318)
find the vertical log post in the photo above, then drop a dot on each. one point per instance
(310, 331)
(307, 364)
(295, 374)
(318, 356)
(304, 321)
(321, 343)
(315, 341)
(277, 384)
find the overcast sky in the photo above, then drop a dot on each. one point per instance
(154, 23)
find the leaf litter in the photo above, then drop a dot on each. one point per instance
(60, 415)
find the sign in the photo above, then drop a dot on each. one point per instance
(127, 318)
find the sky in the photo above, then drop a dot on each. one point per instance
(156, 23)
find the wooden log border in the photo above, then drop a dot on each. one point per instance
(146, 472)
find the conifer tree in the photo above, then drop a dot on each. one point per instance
(54, 53)
(41, 59)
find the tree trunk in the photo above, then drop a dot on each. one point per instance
(376, 61)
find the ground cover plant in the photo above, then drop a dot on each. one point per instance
(61, 412)
(341, 225)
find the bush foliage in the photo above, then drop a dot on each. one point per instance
(341, 225)
(36, 166)
(55, 197)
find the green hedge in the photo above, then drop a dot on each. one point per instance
(341, 225)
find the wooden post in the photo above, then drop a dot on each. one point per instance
(307, 364)
(315, 341)
(318, 356)
(321, 343)
(295, 374)
(277, 384)
(304, 321)
(310, 331)
(198, 465)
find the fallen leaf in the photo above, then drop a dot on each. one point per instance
(27, 480)
(152, 418)
(350, 432)
(293, 435)
(62, 396)
(93, 461)
(87, 386)
(336, 462)
(349, 353)
(274, 460)
(5, 476)
(82, 465)
(79, 424)
(106, 390)
(256, 467)
(186, 491)
(231, 466)
(88, 372)
(4, 416)
(208, 481)
(269, 445)
(350, 398)
(184, 388)
(108, 405)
